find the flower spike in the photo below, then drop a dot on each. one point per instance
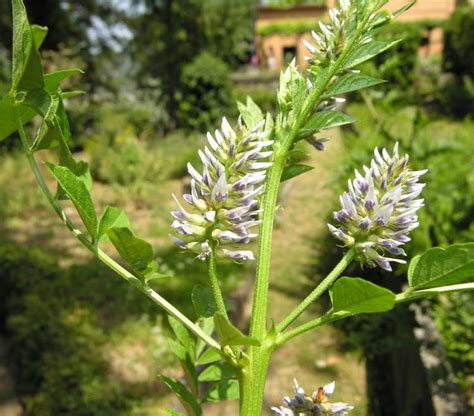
(224, 196)
(379, 210)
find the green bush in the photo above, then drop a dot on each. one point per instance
(399, 63)
(54, 345)
(458, 54)
(206, 93)
(131, 162)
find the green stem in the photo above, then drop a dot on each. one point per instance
(253, 380)
(318, 291)
(103, 257)
(259, 309)
(213, 277)
(308, 326)
(400, 298)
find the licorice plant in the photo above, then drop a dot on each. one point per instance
(232, 201)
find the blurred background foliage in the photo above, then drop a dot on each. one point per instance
(159, 73)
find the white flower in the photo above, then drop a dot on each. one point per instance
(224, 196)
(317, 404)
(379, 210)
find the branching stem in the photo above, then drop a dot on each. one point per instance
(102, 256)
(326, 283)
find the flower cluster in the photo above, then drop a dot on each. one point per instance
(331, 37)
(224, 197)
(380, 209)
(317, 404)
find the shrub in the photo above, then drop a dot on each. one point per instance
(55, 346)
(206, 93)
(458, 54)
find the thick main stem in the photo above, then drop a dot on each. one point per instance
(252, 382)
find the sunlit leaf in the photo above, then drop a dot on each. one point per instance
(294, 170)
(112, 217)
(350, 83)
(135, 251)
(354, 295)
(187, 399)
(27, 71)
(79, 195)
(250, 112)
(368, 51)
(218, 372)
(323, 120)
(229, 334)
(442, 267)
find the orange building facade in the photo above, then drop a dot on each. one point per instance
(276, 49)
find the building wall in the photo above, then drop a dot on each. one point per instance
(270, 49)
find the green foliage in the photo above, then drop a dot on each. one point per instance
(229, 334)
(455, 97)
(206, 95)
(286, 28)
(294, 170)
(354, 295)
(350, 83)
(77, 192)
(455, 320)
(439, 267)
(323, 120)
(458, 52)
(444, 147)
(263, 96)
(398, 65)
(193, 355)
(55, 345)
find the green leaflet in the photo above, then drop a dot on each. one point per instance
(354, 295)
(250, 112)
(323, 120)
(218, 372)
(186, 398)
(112, 217)
(350, 83)
(226, 390)
(203, 301)
(209, 356)
(294, 170)
(441, 267)
(183, 335)
(35, 101)
(39, 35)
(229, 334)
(366, 52)
(27, 71)
(136, 252)
(77, 192)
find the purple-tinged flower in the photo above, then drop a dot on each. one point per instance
(316, 404)
(224, 196)
(329, 40)
(379, 209)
